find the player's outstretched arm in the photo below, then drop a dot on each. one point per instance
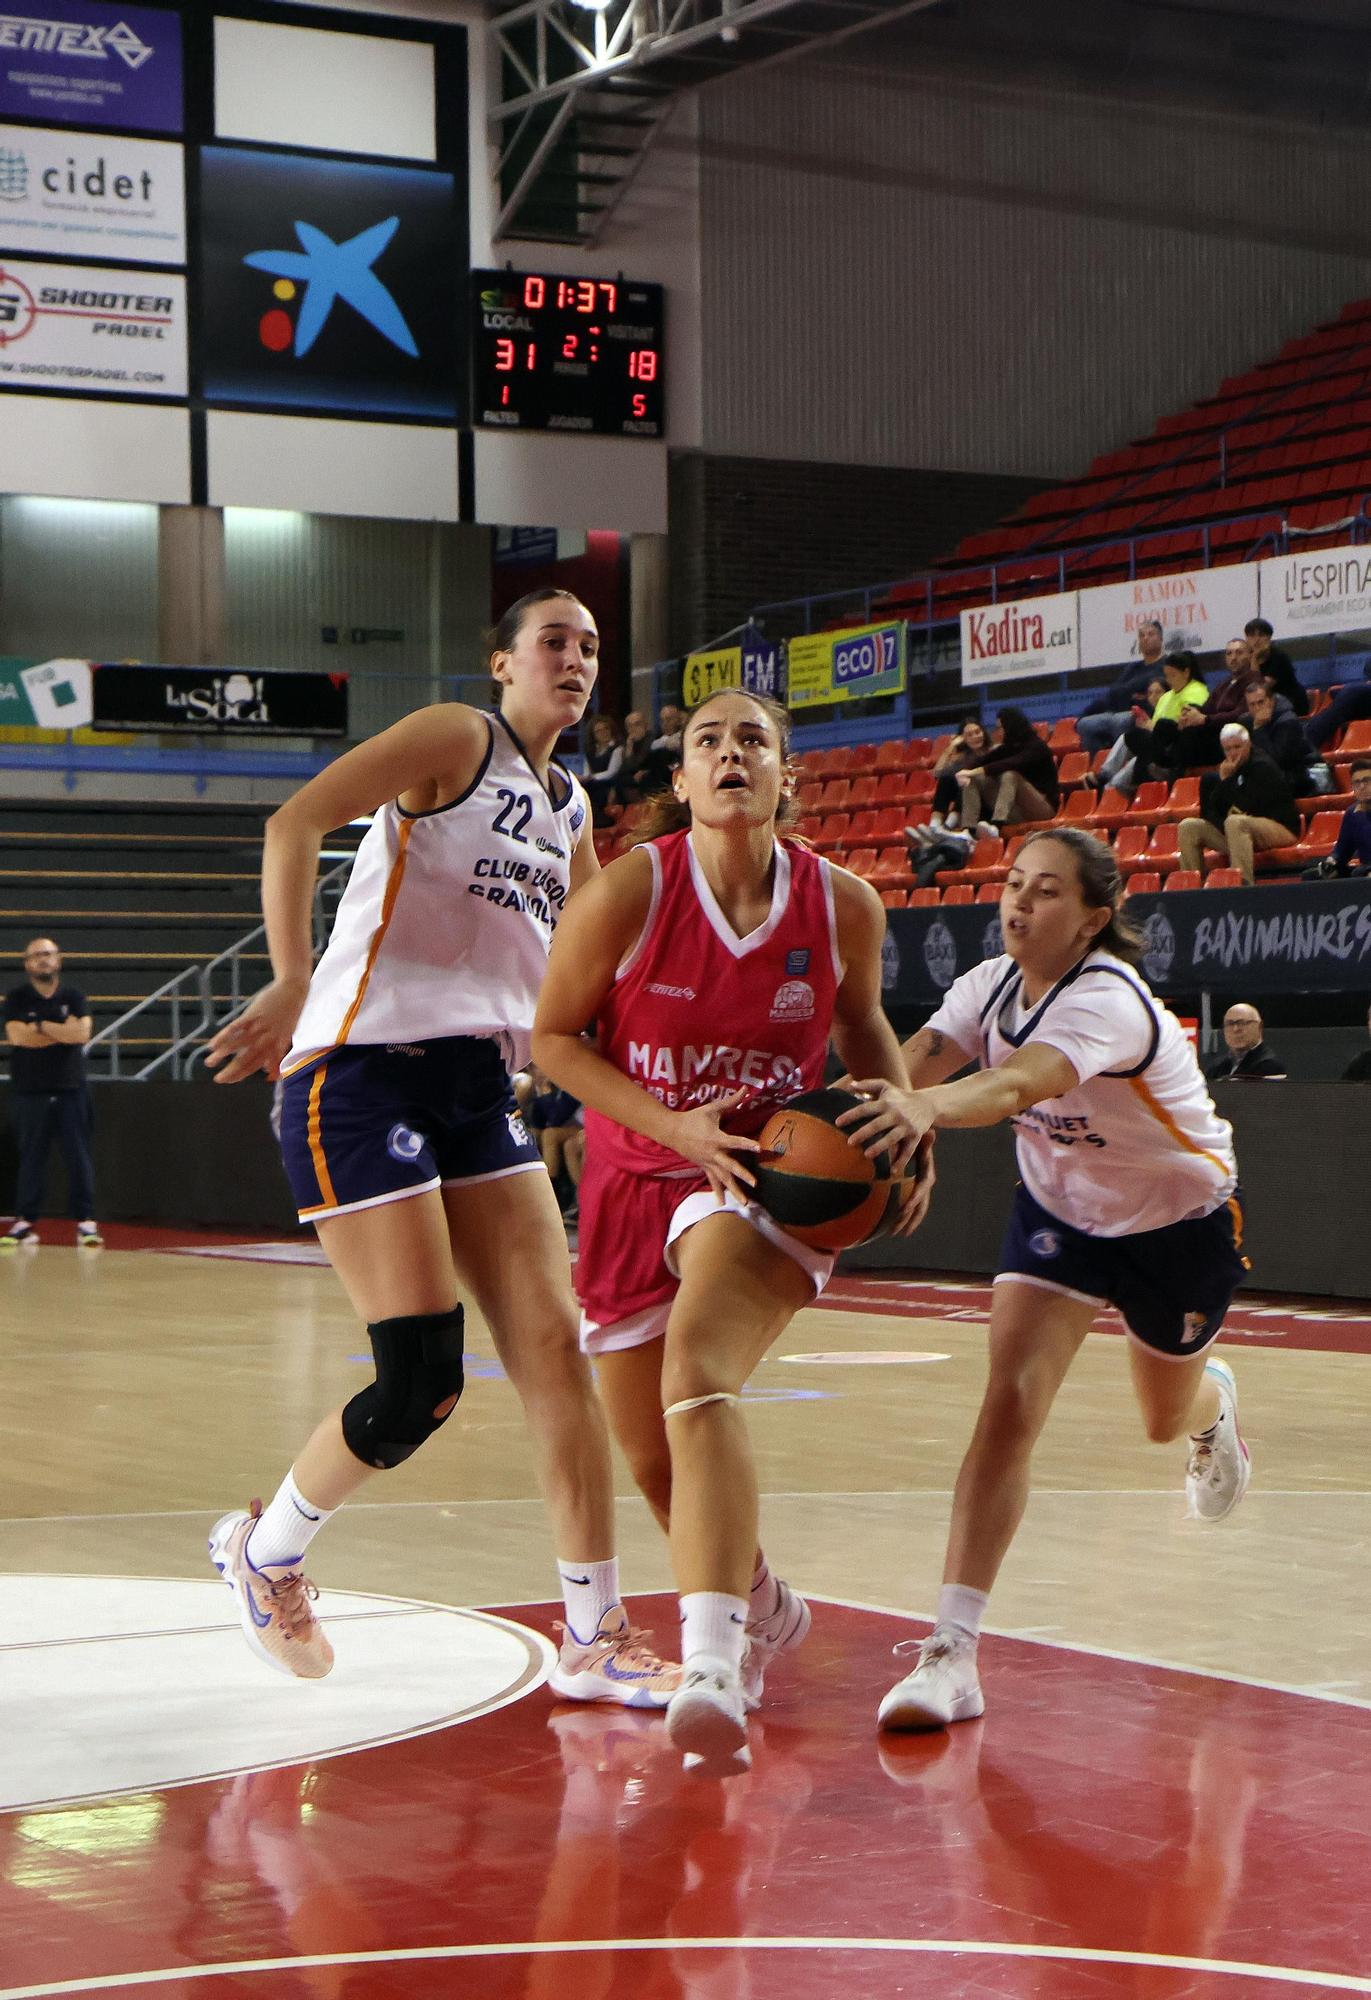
(892, 1117)
(424, 758)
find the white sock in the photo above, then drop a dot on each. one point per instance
(963, 1607)
(713, 1628)
(287, 1528)
(588, 1591)
(765, 1597)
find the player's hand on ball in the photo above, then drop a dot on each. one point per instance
(259, 1037)
(916, 1191)
(696, 1135)
(891, 1121)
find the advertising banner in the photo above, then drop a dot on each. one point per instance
(104, 332)
(329, 285)
(1325, 590)
(1307, 937)
(76, 194)
(1200, 610)
(1006, 642)
(236, 702)
(82, 62)
(852, 665)
(753, 665)
(56, 694)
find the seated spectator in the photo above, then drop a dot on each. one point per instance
(1349, 704)
(642, 767)
(1248, 1058)
(1272, 725)
(1197, 738)
(1247, 806)
(556, 1121)
(603, 755)
(1119, 767)
(1359, 1069)
(1352, 850)
(1152, 738)
(1016, 781)
(964, 753)
(1227, 701)
(672, 723)
(1274, 665)
(1109, 713)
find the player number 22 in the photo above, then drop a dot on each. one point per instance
(513, 802)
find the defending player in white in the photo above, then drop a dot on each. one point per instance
(1129, 1198)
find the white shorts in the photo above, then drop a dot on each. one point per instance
(641, 1327)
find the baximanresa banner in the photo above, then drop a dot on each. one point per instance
(234, 702)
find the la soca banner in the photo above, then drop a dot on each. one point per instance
(852, 665)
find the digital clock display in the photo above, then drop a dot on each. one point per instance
(552, 352)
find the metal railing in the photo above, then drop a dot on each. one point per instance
(202, 999)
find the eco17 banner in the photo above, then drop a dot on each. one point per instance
(853, 665)
(753, 665)
(1035, 635)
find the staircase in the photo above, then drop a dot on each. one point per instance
(135, 895)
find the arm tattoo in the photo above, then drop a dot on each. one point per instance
(935, 1042)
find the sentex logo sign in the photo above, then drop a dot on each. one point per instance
(330, 271)
(81, 62)
(329, 285)
(74, 38)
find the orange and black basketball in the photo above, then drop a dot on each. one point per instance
(814, 1182)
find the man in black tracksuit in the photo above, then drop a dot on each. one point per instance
(47, 1025)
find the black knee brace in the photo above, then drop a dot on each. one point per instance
(418, 1382)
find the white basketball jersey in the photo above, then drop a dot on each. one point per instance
(446, 923)
(1138, 1144)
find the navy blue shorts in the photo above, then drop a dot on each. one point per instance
(376, 1123)
(1173, 1286)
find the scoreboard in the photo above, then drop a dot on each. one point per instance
(553, 352)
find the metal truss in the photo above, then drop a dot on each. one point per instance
(581, 90)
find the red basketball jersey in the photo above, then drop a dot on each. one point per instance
(697, 1012)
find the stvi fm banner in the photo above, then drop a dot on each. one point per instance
(752, 665)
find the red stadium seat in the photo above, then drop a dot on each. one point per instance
(990, 892)
(862, 832)
(1142, 884)
(809, 797)
(1164, 848)
(961, 892)
(1078, 808)
(1129, 844)
(1072, 768)
(834, 797)
(836, 763)
(1183, 800)
(1320, 838)
(895, 899)
(1148, 801)
(809, 826)
(925, 899)
(985, 863)
(891, 756)
(1224, 878)
(861, 860)
(891, 869)
(833, 831)
(888, 826)
(863, 791)
(1064, 737)
(893, 787)
(1108, 813)
(1356, 739)
(1184, 878)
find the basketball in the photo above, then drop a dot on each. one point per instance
(814, 1182)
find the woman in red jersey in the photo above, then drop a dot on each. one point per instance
(716, 961)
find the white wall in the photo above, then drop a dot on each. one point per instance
(907, 268)
(78, 578)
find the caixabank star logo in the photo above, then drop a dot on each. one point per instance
(329, 285)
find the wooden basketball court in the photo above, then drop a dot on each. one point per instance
(1166, 1797)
